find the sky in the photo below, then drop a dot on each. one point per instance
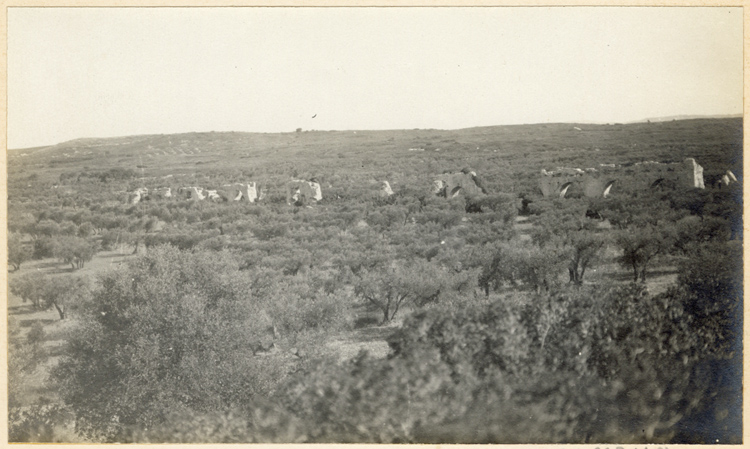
(105, 72)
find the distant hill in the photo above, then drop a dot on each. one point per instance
(94, 142)
(553, 143)
(669, 118)
(508, 157)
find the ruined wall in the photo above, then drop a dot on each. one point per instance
(557, 183)
(686, 174)
(213, 195)
(233, 192)
(599, 182)
(196, 193)
(191, 193)
(300, 191)
(697, 180)
(138, 195)
(597, 186)
(450, 185)
(134, 198)
(317, 194)
(239, 192)
(385, 190)
(163, 192)
(250, 192)
(228, 192)
(725, 180)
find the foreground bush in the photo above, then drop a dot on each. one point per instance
(589, 365)
(593, 366)
(40, 423)
(165, 352)
(171, 332)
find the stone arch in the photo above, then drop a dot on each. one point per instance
(607, 188)
(437, 186)
(564, 188)
(664, 183)
(657, 183)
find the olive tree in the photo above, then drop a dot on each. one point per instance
(74, 250)
(172, 331)
(640, 246)
(523, 263)
(388, 288)
(18, 252)
(51, 291)
(584, 250)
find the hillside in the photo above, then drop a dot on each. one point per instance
(495, 151)
(455, 304)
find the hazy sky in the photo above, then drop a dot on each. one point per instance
(101, 72)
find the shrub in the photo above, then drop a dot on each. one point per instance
(588, 365)
(39, 423)
(46, 228)
(266, 423)
(74, 250)
(43, 247)
(111, 239)
(24, 355)
(389, 288)
(85, 230)
(535, 266)
(170, 332)
(712, 279)
(18, 251)
(270, 231)
(640, 246)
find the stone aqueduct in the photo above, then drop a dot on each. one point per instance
(592, 182)
(598, 182)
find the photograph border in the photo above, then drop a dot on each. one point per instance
(348, 4)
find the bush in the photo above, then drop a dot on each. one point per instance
(171, 332)
(74, 250)
(86, 230)
(640, 247)
(587, 365)
(18, 251)
(267, 423)
(328, 312)
(39, 423)
(389, 288)
(270, 231)
(112, 239)
(43, 247)
(299, 304)
(713, 283)
(536, 267)
(48, 291)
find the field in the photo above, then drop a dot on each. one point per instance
(503, 317)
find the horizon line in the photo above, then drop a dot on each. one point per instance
(645, 120)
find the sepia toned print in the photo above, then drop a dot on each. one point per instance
(375, 225)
